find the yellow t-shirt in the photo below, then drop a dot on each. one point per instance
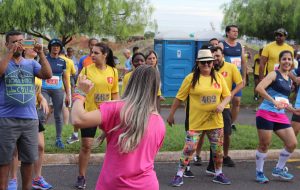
(256, 65)
(105, 84)
(272, 51)
(203, 101)
(70, 68)
(231, 75)
(125, 82)
(38, 88)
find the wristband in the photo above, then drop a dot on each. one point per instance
(78, 91)
(77, 97)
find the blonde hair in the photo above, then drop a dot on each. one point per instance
(140, 100)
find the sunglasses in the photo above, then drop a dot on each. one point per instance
(205, 62)
(279, 35)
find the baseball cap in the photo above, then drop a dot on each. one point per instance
(281, 31)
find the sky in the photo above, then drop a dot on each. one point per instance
(188, 15)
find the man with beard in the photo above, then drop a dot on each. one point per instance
(18, 116)
(270, 53)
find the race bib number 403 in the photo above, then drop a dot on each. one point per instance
(53, 81)
(208, 99)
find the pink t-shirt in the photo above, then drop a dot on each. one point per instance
(133, 170)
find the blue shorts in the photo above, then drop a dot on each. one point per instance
(264, 124)
(239, 93)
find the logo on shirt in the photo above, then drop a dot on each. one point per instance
(110, 80)
(224, 73)
(216, 85)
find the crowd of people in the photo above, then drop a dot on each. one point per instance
(33, 85)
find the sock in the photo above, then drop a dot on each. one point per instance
(179, 173)
(218, 171)
(188, 167)
(75, 134)
(260, 160)
(283, 157)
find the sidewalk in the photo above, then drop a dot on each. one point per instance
(246, 117)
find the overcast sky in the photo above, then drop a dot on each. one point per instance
(188, 15)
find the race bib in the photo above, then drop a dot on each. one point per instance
(208, 99)
(54, 81)
(98, 98)
(237, 61)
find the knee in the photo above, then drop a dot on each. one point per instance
(86, 147)
(236, 102)
(290, 147)
(41, 148)
(263, 147)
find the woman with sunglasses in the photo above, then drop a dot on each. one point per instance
(275, 88)
(206, 95)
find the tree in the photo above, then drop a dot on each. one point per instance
(66, 18)
(260, 18)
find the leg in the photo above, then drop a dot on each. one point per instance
(57, 100)
(26, 173)
(39, 162)
(66, 115)
(236, 101)
(227, 161)
(296, 126)
(4, 172)
(215, 137)
(14, 166)
(200, 144)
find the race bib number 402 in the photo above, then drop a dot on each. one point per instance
(208, 99)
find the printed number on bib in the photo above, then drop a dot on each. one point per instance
(53, 81)
(208, 99)
(237, 61)
(101, 97)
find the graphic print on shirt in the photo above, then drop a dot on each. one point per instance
(20, 87)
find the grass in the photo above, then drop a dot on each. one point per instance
(244, 138)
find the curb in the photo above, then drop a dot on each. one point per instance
(61, 159)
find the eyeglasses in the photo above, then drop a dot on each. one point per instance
(205, 62)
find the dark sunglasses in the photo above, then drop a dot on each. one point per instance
(204, 62)
(279, 35)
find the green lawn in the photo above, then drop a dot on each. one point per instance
(244, 138)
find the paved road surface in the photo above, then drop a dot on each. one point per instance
(63, 177)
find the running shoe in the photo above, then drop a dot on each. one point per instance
(80, 183)
(261, 178)
(177, 181)
(12, 184)
(210, 170)
(197, 161)
(227, 161)
(188, 173)
(40, 183)
(59, 144)
(221, 179)
(282, 173)
(72, 139)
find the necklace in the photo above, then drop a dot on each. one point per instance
(20, 71)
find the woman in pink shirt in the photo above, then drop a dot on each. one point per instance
(135, 131)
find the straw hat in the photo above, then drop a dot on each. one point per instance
(204, 55)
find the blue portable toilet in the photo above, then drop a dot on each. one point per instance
(176, 58)
(203, 37)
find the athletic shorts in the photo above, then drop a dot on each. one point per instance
(239, 93)
(22, 133)
(42, 119)
(296, 118)
(88, 132)
(227, 121)
(264, 124)
(256, 77)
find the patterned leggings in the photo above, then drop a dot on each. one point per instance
(215, 137)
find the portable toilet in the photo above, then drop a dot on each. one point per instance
(203, 37)
(175, 51)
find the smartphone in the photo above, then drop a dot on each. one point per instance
(28, 44)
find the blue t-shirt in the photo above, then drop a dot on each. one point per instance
(278, 88)
(17, 90)
(58, 66)
(80, 64)
(128, 65)
(233, 54)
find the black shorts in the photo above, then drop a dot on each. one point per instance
(262, 123)
(88, 132)
(227, 121)
(41, 126)
(256, 77)
(296, 118)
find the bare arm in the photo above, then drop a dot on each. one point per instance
(237, 88)
(243, 65)
(261, 87)
(115, 96)
(222, 105)
(175, 105)
(12, 48)
(46, 71)
(262, 64)
(83, 119)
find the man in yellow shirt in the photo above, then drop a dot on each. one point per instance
(270, 53)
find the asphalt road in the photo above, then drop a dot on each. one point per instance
(63, 177)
